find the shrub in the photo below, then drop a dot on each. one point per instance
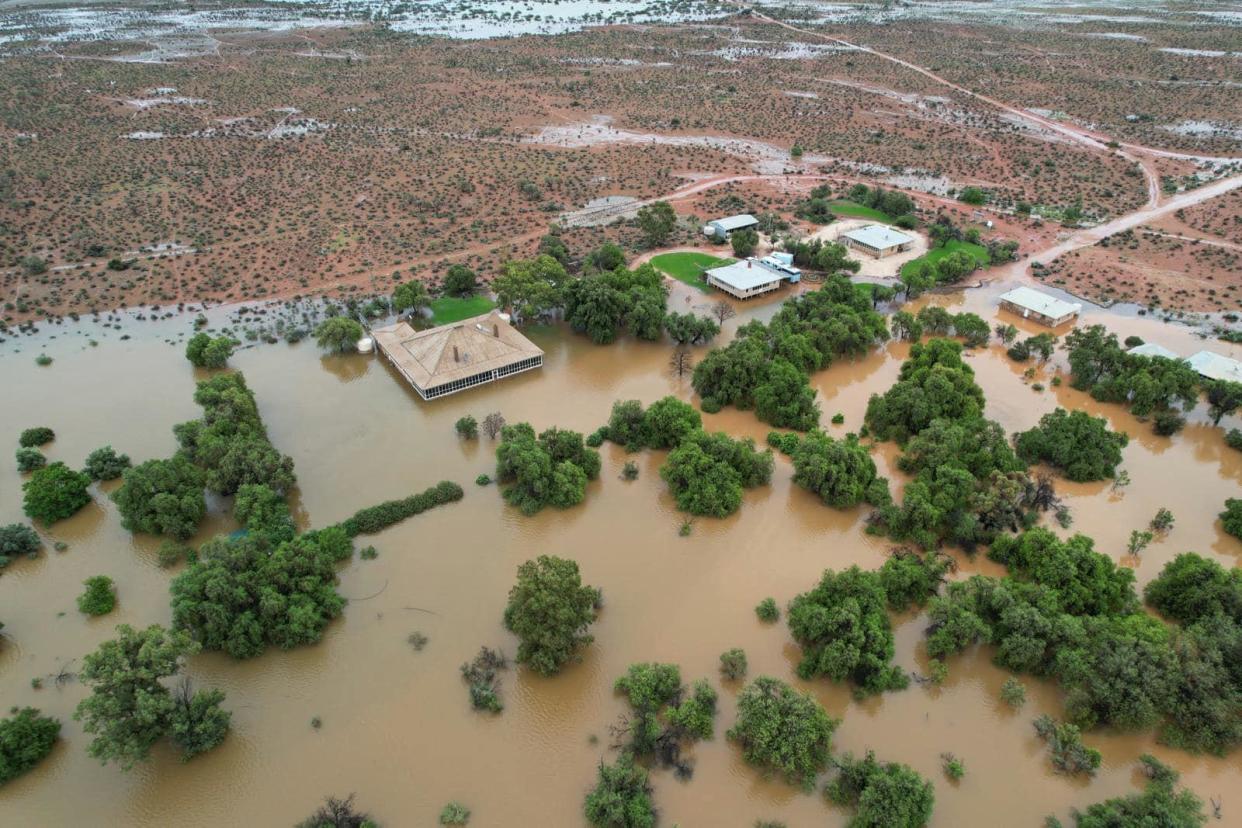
(707, 472)
(162, 497)
(768, 611)
(622, 796)
(1158, 804)
(630, 470)
(339, 334)
(841, 472)
(377, 518)
(26, 737)
(54, 493)
(172, 552)
(99, 597)
(30, 459)
(481, 675)
(887, 794)
(1069, 754)
(550, 610)
(38, 436)
(1233, 439)
(205, 352)
(1013, 693)
(1080, 445)
(552, 470)
(1230, 519)
(733, 664)
(953, 767)
(105, 464)
(467, 427)
(338, 813)
(483, 480)
(454, 813)
(17, 539)
(783, 731)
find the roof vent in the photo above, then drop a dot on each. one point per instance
(495, 330)
(456, 356)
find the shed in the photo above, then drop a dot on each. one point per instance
(1151, 349)
(1214, 366)
(451, 358)
(722, 228)
(745, 279)
(877, 240)
(1045, 309)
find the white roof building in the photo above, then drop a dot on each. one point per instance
(1151, 349)
(1216, 366)
(722, 227)
(1031, 304)
(878, 236)
(744, 279)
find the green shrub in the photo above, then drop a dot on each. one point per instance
(29, 460)
(17, 539)
(483, 479)
(1013, 693)
(54, 493)
(162, 497)
(105, 464)
(887, 794)
(377, 518)
(25, 738)
(99, 597)
(768, 611)
(205, 352)
(1069, 754)
(454, 813)
(953, 767)
(783, 731)
(38, 436)
(550, 611)
(733, 664)
(622, 796)
(172, 552)
(481, 675)
(467, 427)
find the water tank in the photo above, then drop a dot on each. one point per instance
(366, 345)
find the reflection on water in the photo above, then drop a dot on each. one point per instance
(397, 728)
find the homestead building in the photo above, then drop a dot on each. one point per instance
(1039, 307)
(722, 228)
(877, 240)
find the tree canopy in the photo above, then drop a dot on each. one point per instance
(205, 351)
(600, 305)
(657, 221)
(549, 610)
(338, 334)
(105, 464)
(664, 424)
(551, 470)
(162, 497)
(531, 287)
(1080, 445)
(622, 797)
(26, 736)
(783, 731)
(883, 794)
(841, 472)
(707, 472)
(934, 383)
(55, 492)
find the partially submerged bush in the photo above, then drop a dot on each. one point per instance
(17, 539)
(30, 459)
(105, 464)
(99, 597)
(550, 610)
(26, 737)
(481, 675)
(783, 731)
(54, 493)
(36, 436)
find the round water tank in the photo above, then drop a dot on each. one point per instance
(366, 345)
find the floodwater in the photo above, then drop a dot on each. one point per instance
(397, 728)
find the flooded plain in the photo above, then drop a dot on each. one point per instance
(397, 728)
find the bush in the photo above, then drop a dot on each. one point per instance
(454, 813)
(841, 472)
(483, 480)
(1230, 519)
(54, 493)
(552, 470)
(934, 383)
(630, 470)
(768, 611)
(550, 610)
(25, 738)
(105, 464)
(162, 497)
(1233, 439)
(264, 512)
(338, 813)
(1158, 804)
(481, 675)
(99, 597)
(205, 352)
(1080, 445)
(1069, 754)
(377, 518)
(622, 796)
(339, 334)
(17, 539)
(171, 553)
(888, 794)
(38, 436)
(733, 664)
(30, 459)
(707, 472)
(1013, 693)
(783, 731)
(467, 427)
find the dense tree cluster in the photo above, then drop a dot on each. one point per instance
(689, 328)
(1080, 445)
(882, 794)
(841, 472)
(1149, 385)
(1160, 804)
(243, 594)
(549, 610)
(600, 305)
(551, 470)
(105, 464)
(663, 425)
(767, 367)
(17, 539)
(26, 737)
(663, 716)
(622, 796)
(162, 497)
(130, 708)
(205, 351)
(55, 492)
(230, 442)
(706, 473)
(783, 731)
(934, 383)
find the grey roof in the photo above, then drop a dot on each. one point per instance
(1151, 349)
(1216, 366)
(744, 275)
(879, 236)
(1041, 303)
(731, 223)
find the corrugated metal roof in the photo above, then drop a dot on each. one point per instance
(878, 236)
(1151, 349)
(1041, 303)
(731, 223)
(740, 276)
(1216, 366)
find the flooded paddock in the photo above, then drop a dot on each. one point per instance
(397, 728)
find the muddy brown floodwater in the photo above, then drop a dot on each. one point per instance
(397, 728)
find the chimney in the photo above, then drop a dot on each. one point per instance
(495, 330)
(456, 358)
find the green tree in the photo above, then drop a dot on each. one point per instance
(841, 472)
(1224, 398)
(1080, 445)
(608, 256)
(26, 737)
(460, 280)
(198, 722)
(1230, 519)
(467, 427)
(622, 797)
(884, 795)
(17, 539)
(549, 610)
(690, 329)
(973, 328)
(162, 497)
(54, 493)
(38, 436)
(1159, 804)
(744, 242)
(411, 296)
(29, 460)
(264, 512)
(552, 470)
(906, 327)
(934, 383)
(99, 597)
(656, 221)
(129, 708)
(204, 351)
(338, 334)
(785, 398)
(706, 473)
(531, 287)
(105, 464)
(1191, 589)
(783, 731)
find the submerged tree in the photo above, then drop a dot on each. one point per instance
(783, 731)
(549, 610)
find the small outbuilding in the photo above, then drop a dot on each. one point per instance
(1040, 307)
(450, 358)
(878, 240)
(1213, 366)
(1151, 349)
(746, 279)
(722, 228)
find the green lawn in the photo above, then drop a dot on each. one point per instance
(852, 209)
(688, 267)
(451, 309)
(937, 253)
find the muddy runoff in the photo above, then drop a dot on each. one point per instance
(397, 728)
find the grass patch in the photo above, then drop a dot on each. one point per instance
(448, 309)
(852, 209)
(934, 255)
(688, 267)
